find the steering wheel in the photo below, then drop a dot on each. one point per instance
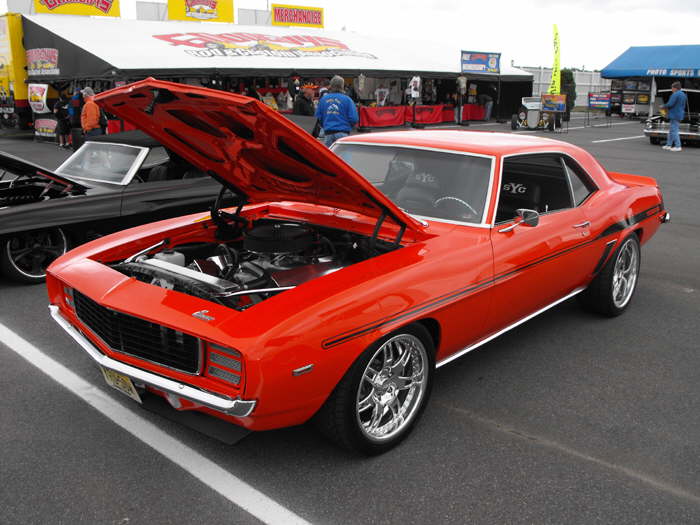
(450, 198)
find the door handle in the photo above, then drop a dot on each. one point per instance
(584, 224)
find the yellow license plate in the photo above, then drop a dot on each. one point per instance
(121, 382)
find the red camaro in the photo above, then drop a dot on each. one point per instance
(342, 279)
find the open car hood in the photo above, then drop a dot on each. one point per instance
(23, 168)
(247, 146)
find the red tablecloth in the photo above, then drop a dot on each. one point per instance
(381, 117)
(473, 112)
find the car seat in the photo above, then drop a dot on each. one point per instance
(517, 192)
(419, 193)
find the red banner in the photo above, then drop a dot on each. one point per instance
(424, 114)
(381, 117)
(473, 112)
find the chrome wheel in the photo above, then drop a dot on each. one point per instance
(392, 387)
(625, 273)
(29, 254)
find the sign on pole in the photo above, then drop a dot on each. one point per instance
(555, 85)
(201, 10)
(78, 7)
(295, 15)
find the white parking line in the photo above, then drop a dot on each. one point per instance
(621, 138)
(229, 486)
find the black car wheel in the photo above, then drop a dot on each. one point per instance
(383, 394)
(25, 256)
(611, 291)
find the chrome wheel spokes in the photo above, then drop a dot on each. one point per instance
(392, 387)
(625, 273)
(32, 252)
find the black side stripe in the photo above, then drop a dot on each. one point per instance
(452, 296)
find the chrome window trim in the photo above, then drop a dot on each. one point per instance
(522, 154)
(233, 406)
(128, 176)
(489, 190)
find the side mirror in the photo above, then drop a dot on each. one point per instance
(529, 217)
(524, 216)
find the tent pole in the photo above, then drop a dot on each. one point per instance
(652, 98)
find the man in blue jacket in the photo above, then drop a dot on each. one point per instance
(336, 112)
(676, 111)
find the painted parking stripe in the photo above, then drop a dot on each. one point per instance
(621, 138)
(229, 486)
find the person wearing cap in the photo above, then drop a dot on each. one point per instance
(336, 111)
(90, 116)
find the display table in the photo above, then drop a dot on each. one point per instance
(473, 112)
(382, 116)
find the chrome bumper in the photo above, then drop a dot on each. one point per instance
(666, 217)
(234, 407)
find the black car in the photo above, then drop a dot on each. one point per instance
(110, 183)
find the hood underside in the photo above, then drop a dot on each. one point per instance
(22, 168)
(247, 146)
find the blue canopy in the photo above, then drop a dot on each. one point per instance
(655, 61)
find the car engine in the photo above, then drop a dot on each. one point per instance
(270, 257)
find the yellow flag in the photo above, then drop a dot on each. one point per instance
(555, 85)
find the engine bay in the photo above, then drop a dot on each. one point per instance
(265, 259)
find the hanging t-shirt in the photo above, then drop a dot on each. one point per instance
(381, 95)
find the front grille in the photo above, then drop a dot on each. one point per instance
(138, 337)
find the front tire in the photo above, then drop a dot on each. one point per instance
(25, 256)
(611, 291)
(383, 394)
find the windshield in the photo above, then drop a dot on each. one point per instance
(431, 184)
(103, 162)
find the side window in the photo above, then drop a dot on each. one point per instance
(534, 182)
(581, 184)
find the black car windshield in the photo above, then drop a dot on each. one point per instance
(103, 162)
(426, 183)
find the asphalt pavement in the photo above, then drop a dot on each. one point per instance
(569, 418)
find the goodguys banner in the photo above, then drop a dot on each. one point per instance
(293, 15)
(78, 7)
(238, 44)
(201, 10)
(37, 97)
(382, 117)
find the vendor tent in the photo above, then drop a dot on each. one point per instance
(66, 47)
(656, 61)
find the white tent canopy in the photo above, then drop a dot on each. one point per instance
(149, 47)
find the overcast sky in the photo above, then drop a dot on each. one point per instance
(592, 32)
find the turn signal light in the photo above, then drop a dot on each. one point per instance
(225, 364)
(68, 297)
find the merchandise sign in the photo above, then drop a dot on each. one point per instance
(201, 10)
(293, 15)
(37, 97)
(476, 62)
(599, 100)
(554, 103)
(45, 127)
(78, 7)
(42, 61)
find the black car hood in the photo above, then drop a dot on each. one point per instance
(22, 168)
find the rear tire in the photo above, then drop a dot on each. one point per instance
(610, 293)
(383, 394)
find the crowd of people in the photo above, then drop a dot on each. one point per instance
(78, 117)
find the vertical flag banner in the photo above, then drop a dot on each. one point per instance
(78, 7)
(555, 85)
(201, 10)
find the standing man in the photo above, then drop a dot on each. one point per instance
(304, 103)
(90, 116)
(336, 112)
(60, 109)
(676, 111)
